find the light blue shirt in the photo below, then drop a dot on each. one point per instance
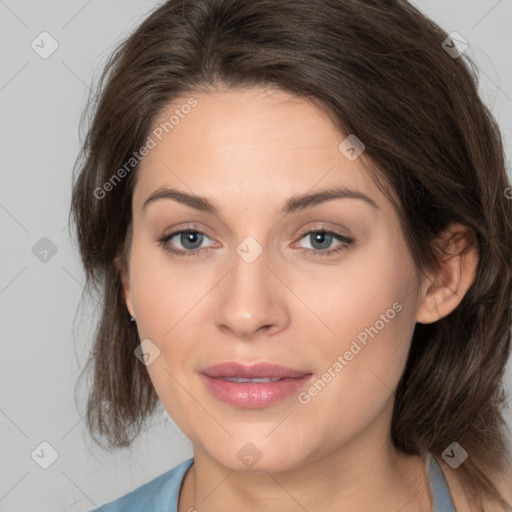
(441, 497)
(161, 494)
(157, 495)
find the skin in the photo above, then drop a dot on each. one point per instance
(248, 151)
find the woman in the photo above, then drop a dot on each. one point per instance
(297, 215)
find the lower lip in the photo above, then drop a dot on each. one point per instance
(253, 395)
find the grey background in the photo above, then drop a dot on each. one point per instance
(42, 352)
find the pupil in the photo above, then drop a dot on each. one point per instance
(189, 237)
(322, 236)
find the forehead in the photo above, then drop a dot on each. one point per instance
(255, 146)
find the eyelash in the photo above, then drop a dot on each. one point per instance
(346, 245)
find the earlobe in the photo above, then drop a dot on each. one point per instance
(443, 292)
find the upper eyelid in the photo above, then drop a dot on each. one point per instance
(340, 236)
(317, 226)
(345, 242)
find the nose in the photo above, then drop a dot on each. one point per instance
(251, 299)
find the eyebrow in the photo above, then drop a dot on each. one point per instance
(293, 204)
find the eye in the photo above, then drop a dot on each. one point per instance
(190, 239)
(323, 238)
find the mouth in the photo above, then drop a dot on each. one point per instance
(242, 379)
(253, 386)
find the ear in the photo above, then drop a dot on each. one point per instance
(443, 291)
(122, 269)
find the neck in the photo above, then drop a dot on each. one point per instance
(350, 479)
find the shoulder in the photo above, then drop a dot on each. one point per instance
(460, 498)
(504, 485)
(162, 490)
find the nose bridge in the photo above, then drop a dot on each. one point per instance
(250, 298)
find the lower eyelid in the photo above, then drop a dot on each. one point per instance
(344, 241)
(345, 244)
(337, 236)
(170, 236)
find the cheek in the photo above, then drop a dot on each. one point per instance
(368, 318)
(372, 290)
(167, 302)
(162, 292)
(164, 302)
(361, 310)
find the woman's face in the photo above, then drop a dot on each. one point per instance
(253, 285)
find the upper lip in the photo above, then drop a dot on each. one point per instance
(259, 370)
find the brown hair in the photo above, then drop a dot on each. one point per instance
(378, 69)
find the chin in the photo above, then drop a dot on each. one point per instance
(256, 454)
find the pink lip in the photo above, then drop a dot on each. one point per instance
(253, 395)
